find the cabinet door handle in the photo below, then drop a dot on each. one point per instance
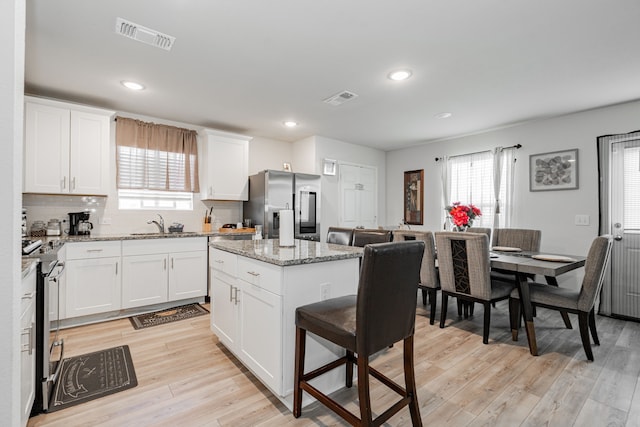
(219, 261)
(64, 182)
(236, 295)
(116, 268)
(29, 346)
(73, 183)
(253, 273)
(94, 250)
(29, 295)
(230, 293)
(172, 263)
(210, 191)
(164, 264)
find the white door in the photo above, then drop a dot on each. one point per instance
(224, 304)
(625, 227)
(144, 280)
(187, 275)
(92, 286)
(89, 153)
(46, 165)
(358, 196)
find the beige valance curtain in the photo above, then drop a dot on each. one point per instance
(156, 157)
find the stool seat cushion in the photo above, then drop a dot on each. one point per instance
(333, 319)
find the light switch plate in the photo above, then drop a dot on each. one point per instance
(582, 220)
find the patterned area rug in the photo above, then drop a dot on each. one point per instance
(167, 316)
(93, 375)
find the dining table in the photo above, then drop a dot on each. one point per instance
(525, 263)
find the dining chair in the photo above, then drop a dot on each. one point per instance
(365, 236)
(429, 280)
(580, 302)
(484, 230)
(382, 313)
(340, 235)
(464, 268)
(525, 239)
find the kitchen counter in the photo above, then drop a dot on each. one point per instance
(304, 251)
(256, 286)
(58, 240)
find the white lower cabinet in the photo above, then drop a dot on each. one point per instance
(27, 345)
(145, 280)
(161, 270)
(92, 280)
(246, 316)
(253, 314)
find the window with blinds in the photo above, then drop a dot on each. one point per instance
(631, 189)
(471, 181)
(157, 165)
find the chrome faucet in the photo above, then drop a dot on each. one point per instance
(159, 224)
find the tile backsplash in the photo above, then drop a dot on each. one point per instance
(107, 219)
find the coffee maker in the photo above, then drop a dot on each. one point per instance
(79, 224)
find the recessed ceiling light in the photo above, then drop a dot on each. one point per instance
(400, 75)
(443, 115)
(290, 123)
(132, 85)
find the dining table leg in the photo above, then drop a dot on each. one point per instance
(527, 311)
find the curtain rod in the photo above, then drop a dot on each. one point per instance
(516, 146)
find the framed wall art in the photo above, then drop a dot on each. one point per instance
(413, 197)
(557, 170)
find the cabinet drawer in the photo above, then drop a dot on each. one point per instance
(223, 261)
(266, 276)
(163, 246)
(84, 250)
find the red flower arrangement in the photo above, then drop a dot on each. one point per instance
(462, 216)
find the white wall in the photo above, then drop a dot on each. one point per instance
(12, 25)
(349, 153)
(553, 212)
(268, 154)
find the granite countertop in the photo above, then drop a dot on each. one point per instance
(304, 251)
(136, 236)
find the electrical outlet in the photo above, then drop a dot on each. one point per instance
(105, 221)
(325, 291)
(582, 220)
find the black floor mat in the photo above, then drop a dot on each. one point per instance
(93, 375)
(167, 316)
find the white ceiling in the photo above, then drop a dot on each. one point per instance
(247, 65)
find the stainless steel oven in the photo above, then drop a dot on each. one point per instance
(49, 346)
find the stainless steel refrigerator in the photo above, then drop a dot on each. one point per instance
(271, 191)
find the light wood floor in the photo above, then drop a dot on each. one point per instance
(187, 378)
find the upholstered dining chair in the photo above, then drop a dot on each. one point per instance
(365, 236)
(381, 314)
(525, 239)
(484, 230)
(580, 302)
(429, 280)
(464, 268)
(340, 235)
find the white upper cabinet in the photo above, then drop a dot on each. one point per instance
(223, 165)
(66, 148)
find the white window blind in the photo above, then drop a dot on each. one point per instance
(157, 165)
(631, 188)
(470, 180)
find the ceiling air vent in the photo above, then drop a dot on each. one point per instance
(340, 98)
(143, 34)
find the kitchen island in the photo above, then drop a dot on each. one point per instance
(256, 287)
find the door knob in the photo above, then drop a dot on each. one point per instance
(617, 238)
